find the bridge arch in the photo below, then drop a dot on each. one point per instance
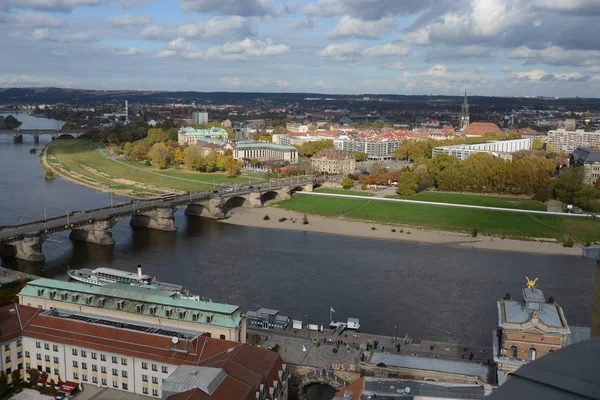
(234, 202)
(268, 196)
(296, 189)
(197, 210)
(317, 185)
(66, 135)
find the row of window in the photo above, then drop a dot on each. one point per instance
(7, 345)
(165, 370)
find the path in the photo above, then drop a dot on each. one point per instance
(554, 206)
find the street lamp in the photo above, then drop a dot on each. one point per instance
(396, 337)
(307, 324)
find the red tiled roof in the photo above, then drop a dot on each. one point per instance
(481, 128)
(356, 388)
(334, 154)
(12, 319)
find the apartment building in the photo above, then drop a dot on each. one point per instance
(333, 162)
(265, 152)
(497, 148)
(375, 149)
(569, 140)
(136, 357)
(590, 161)
(152, 306)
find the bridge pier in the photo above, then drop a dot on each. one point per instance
(17, 138)
(160, 219)
(36, 138)
(29, 248)
(97, 232)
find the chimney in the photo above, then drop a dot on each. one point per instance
(139, 271)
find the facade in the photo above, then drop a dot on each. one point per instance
(590, 161)
(568, 141)
(266, 318)
(190, 135)
(376, 150)
(226, 124)
(497, 148)
(200, 118)
(464, 114)
(265, 152)
(152, 306)
(334, 162)
(134, 357)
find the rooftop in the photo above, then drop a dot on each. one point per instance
(481, 128)
(334, 154)
(583, 155)
(273, 146)
(533, 304)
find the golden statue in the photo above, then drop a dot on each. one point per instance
(531, 283)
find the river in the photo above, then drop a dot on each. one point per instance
(435, 292)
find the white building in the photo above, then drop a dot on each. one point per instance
(568, 141)
(200, 117)
(497, 148)
(376, 150)
(190, 135)
(265, 152)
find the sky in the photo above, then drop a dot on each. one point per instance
(488, 47)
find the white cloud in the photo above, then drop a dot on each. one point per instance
(51, 5)
(129, 20)
(32, 80)
(506, 68)
(393, 66)
(128, 4)
(353, 27)
(555, 55)
(214, 27)
(77, 37)
(153, 31)
(38, 20)
(230, 80)
(386, 50)
(40, 34)
(543, 76)
(181, 48)
(565, 5)
(247, 48)
(229, 7)
(59, 53)
(132, 51)
(341, 52)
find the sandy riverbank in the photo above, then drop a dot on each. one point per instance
(341, 226)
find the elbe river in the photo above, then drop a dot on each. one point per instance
(433, 292)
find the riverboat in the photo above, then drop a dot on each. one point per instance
(33, 150)
(107, 276)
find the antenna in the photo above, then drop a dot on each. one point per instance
(175, 339)
(126, 112)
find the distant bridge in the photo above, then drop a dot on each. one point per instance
(95, 226)
(17, 134)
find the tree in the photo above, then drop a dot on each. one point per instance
(68, 126)
(211, 161)
(3, 383)
(15, 378)
(179, 155)
(173, 135)
(127, 147)
(156, 135)
(309, 149)
(408, 184)
(377, 168)
(221, 159)
(34, 376)
(44, 378)
(9, 122)
(359, 156)
(347, 183)
(537, 144)
(570, 188)
(138, 152)
(194, 158)
(232, 167)
(160, 155)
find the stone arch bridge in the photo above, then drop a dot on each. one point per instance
(95, 226)
(17, 134)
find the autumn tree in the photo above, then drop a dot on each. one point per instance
(34, 376)
(194, 158)
(309, 149)
(138, 152)
(537, 144)
(570, 188)
(232, 167)
(157, 135)
(360, 156)
(408, 184)
(347, 183)
(179, 155)
(211, 161)
(160, 155)
(15, 378)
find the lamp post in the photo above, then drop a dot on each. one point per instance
(396, 337)
(307, 324)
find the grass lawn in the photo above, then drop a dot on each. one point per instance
(345, 191)
(494, 223)
(476, 200)
(79, 159)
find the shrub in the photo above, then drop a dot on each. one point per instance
(393, 230)
(569, 242)
(49, 175)
(373, 228)
(266, 218)
(408, 233)
(401, 230)
(282, 219)
(275, 348)
(305, 220)
(475, 232)
(147, 163)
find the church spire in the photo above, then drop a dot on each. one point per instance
(464, 115)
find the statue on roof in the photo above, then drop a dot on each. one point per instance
(531, 283)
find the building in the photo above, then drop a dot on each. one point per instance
(477, 129)
(333, 162)
(375, 149)
(226, 123)
(568, 141)
(590, 161)
(530, 328)
(200, 117)
(190, 135)
(382, 388)
(152, 306)
(136, 357)
(266, 318)
(265, 152)
(497, 148)
(464, 115)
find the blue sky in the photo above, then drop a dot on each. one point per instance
(490, 47)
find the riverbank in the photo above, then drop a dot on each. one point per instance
(254, 217)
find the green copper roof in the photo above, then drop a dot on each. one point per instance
(250, 146)
(166, 306)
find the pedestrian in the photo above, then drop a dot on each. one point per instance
(382, 349)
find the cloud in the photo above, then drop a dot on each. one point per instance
(40, 34)
(353, 27)
(77, 37)
(341, 52)
(576, 6)
(367, 9)
(393, 66)
(231, 81)
(36, 20)
(447, 53)
(129, 4)
(131, 51)
(506, 68)
(214, 27)
(29, 80)
(59, 53)
(181, 48)
(543, 76)
(246, 49)
(64, 6)
(129, 20)
(555, 55)
(386, 50)
(230, 7)
(255, 82)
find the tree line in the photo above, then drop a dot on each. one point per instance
(9, 122)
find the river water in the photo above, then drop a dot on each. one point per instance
(434, 292)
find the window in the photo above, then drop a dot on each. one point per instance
(103, 370)
(115, 372)
(75, 364)
(103, 381)
(84, 377)
(46, 346)
(74, 352)
(47, 358)
(19, 343)
(37, 344)
(19, 354)
(48, 370)
(124, 386)
(39, 367)
(83, 353)
(114, 360)
(164, 369)
(144, 365)
(115, 384)
(93, 356)
(54, 347)
(38, 356)
(222, 337)
(55, 371)
(124, 374)
(145, 390)
(7, 359)
(154, 392)
(154, 367)
(27, 365)
(102, 357)
(94, 379)
(75, 375)
(532, 354)
(154, 379)
(512, 353)
(26, 354)
(83, 365)
(144, 378)
(6, 347)
(123, 361)
(94, 367)
(55, 360)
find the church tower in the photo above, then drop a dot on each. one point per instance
(464, 115)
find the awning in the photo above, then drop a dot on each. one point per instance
(68, 387)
